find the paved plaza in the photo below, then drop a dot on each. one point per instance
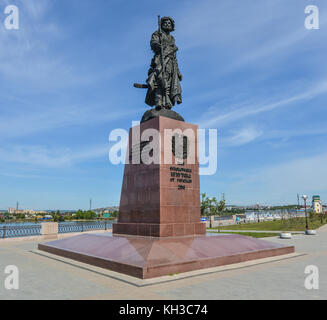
(41, 277)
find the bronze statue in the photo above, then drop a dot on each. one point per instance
(163, 82)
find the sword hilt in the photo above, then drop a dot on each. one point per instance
(140, 86)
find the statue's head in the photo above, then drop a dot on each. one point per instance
(167, 24)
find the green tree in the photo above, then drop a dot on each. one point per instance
(204, 204)
(221, 206)
(114, 214)
(208, 207)
(220, 209)
(21, 216)
(79, 214)
(213, 208)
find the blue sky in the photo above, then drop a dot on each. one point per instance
(250, 69)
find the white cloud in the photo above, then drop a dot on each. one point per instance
(24, 53)
(28, 122)
(243, 136)
(281, 182)
(276, 138)
(208, 120)
(280, 45)
(41, 53)
(50, 157)
(286, 134)
(214, 22)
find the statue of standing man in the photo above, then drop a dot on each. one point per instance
(164, 89)
(163, 82)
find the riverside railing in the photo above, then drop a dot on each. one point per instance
(83, 226)
(15, 231)
(19, 231)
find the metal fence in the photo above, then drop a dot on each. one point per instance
(223, 218)
(15, 231)
(83, 226)
(20, 231)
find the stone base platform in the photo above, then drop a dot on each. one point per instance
(145, 257)
(160, 229)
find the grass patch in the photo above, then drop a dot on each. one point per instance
(294, 224)
(255, 234)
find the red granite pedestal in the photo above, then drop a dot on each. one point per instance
(161, 199)
(159, 230)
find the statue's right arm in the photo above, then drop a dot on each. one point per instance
(155, 43)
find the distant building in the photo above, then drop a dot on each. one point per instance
(316, 204)
(25, 211)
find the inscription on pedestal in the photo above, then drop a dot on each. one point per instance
(180, 175)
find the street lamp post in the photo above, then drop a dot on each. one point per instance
(304, 197)
(258, 206)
